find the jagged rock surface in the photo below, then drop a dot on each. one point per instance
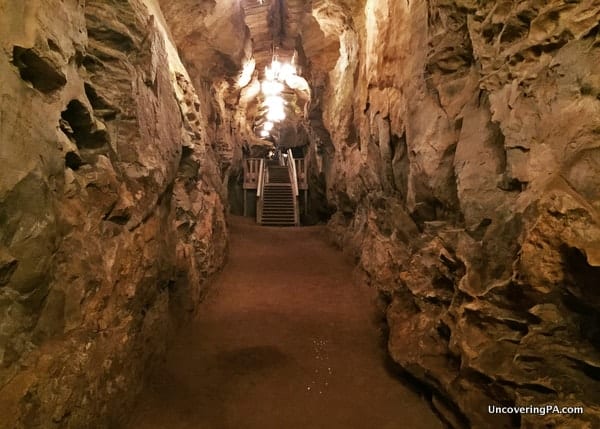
(94, 195)
(456, 141)
(465, 175)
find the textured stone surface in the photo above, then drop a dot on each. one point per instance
(463, 165)
(94, 194)
(455, 141)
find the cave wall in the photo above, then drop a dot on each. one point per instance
(111, 207)
(465, 173)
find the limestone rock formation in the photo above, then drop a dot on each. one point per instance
(465, 174)
(99, 178)
(453, 144)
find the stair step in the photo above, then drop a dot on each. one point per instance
(278, 219)
(278, 200)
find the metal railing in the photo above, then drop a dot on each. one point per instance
(260, 190)
(251, 172)
(291, 164)
(261, 178)
(301, 171)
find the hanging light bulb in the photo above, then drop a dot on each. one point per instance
(276, 114)
(269, 74)
(286, 72)
(271, 88)
(274, 101)
(276, 67)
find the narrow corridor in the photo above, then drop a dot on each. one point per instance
(285, 339)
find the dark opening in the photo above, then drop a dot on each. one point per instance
(82, 127)
(40, 72)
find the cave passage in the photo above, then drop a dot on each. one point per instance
(283, 340)
(177, 174)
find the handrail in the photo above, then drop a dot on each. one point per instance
(251, 172)
(301, 171)
(293, 172)
(261, 181)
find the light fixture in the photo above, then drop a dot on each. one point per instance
(275, 115)
(271, 87)
(277, 75)
(287, 71)
(274, 101)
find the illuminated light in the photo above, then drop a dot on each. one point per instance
(264, 133)
(251, 91)
(276, 67)
(279, 71)
(271, 88)
(287, 71)
(274, 102)
(276, 75)
(269, 74)
(299, 83)
(247, 72)
(275, 115)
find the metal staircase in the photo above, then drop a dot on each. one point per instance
(278, 184)
(278, 200)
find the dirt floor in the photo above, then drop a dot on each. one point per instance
(284, 340)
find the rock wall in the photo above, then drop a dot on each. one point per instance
(111, 207)
(465, 171)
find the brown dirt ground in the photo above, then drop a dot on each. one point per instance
(285, 339)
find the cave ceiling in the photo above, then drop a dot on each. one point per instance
(231, 43)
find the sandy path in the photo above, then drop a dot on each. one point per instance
(284, 340)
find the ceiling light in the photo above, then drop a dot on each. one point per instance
(276, 67)
(274, 102)
(275, 115)
(271, 88)
(269, 73)
(287, 71)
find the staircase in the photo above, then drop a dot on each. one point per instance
(278, 201)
